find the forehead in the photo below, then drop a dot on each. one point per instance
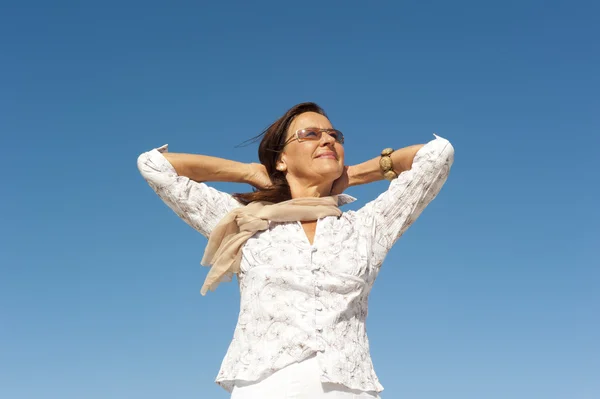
(309, 119)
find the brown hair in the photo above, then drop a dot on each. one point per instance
(271, 145)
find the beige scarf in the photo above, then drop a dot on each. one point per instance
(224, 248)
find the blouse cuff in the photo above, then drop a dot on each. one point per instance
(154, 167)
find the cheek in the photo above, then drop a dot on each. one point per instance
(341, 154)
(305, 151)
(299, 158)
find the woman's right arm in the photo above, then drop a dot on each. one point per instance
(203, 168)
(178, 179)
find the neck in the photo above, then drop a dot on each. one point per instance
(310, 190)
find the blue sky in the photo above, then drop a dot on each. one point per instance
(492, 294)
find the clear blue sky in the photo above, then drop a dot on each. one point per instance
(492, 294)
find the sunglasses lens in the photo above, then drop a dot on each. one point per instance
(337, 136)
(309, 134)
(315, 134)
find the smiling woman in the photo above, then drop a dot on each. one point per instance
(312, 158)
(305, 267)
(288, 155)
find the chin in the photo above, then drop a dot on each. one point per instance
(332, 174)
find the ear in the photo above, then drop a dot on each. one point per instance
(281, 166)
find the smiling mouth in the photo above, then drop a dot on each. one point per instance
(329, 155)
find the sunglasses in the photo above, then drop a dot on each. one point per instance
(314, 133)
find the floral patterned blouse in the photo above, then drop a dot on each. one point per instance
(300, 300)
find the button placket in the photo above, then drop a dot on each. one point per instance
(317, 305)
(313, 265)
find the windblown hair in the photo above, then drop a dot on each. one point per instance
(269, 150)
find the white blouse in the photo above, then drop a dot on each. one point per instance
(298, 299)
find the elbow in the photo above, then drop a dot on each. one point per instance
(448, 153)
(150, 161)
(155, 168)
(148, 166)
(142, 163)
(445, 148)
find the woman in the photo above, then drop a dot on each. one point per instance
(305, 268)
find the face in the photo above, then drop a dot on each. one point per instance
(312, 160)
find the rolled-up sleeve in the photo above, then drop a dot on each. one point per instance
(407, 196)
(198, 204)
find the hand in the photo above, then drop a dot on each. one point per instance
(341, 183)
(258, 176)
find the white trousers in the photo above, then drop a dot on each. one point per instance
(296, 381)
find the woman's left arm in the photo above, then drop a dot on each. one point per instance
(422, 171)
(369, 171)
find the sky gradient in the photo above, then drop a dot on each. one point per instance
(491, 294)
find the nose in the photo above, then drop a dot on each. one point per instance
(327, 139)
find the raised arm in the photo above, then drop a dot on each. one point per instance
(178, 181)
(204, 168)
(422, 171)
(369, 171)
